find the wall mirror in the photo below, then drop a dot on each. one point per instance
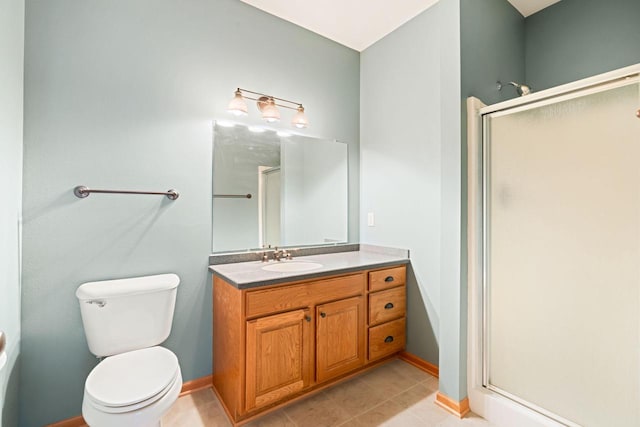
(271, 188)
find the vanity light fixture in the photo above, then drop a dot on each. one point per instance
(268, 107)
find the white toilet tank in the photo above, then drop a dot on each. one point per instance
(127, 314)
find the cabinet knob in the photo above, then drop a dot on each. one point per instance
(388, 306)
(322, 314)
(388, 339)
(307, 318)
(388, 279)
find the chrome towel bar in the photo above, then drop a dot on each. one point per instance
(81, 191)
(233, 196)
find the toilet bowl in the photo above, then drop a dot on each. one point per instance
(132, 389)
(125, 320)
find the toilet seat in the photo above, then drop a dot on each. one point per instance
(132, 380)
(130, 408)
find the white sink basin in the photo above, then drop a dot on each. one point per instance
(292, 266)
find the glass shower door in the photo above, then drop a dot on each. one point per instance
(562, 256)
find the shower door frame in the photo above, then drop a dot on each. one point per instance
(493, 404)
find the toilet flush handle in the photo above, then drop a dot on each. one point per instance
(99, 302)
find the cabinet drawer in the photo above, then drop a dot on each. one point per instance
(386, 339)
(387, 305)
(289, 297)
(387, 278)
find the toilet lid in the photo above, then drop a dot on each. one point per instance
(129, 378)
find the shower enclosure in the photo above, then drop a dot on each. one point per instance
(554, 251)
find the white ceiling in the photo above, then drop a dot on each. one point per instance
(354, 23)
(529, 7)
(360, 23)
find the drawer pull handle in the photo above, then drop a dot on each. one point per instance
(322, 314)
(388, 279)
(307, 318)
(388, 339)
(388, 306)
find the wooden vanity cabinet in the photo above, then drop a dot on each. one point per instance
(274, 343)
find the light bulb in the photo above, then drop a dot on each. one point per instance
(270, 112)
(299, 119)
(237, 106)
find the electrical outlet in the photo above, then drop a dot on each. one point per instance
(371, 221)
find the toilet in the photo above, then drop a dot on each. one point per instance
(124, 321)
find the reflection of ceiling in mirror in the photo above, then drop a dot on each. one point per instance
(264, 145)
(238, 153)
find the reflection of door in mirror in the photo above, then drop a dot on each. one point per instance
(270, 202)
(237, 155)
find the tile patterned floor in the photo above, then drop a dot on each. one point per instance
(395, 394)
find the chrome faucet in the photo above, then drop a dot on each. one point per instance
(264, 256)
(278, 254)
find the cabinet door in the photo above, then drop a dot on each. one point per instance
(278, 357)
(340, 337)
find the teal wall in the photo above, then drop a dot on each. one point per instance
(574, 39)
(122, 94)
(492, 40)
(452, 325)
(11, 131)
(410, 163)
(400, 163)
